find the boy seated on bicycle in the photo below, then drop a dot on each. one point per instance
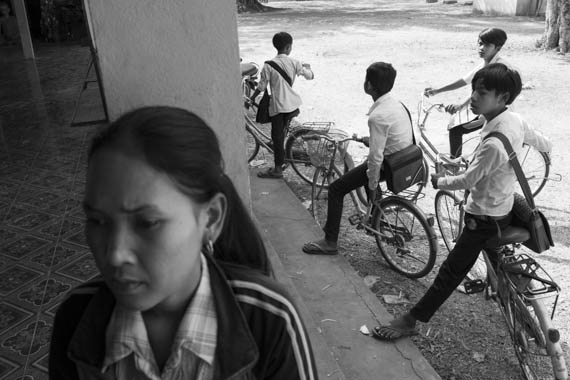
(490, 43)
(490, 179)
(390, 131)
(285, 102)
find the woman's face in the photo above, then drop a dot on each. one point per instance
(145, 234)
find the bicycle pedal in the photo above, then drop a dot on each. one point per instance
(354, 219)
(474, 286)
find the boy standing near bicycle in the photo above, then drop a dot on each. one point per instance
(490, 43)
(490, 179)
(390, 131)
(279, 74)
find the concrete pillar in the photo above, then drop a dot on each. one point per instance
(24, 28)
(177, 52)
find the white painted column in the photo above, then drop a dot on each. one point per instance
(24, 28)
(177, 52)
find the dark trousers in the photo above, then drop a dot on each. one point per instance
(460, 260)
(456, 138)
(279, 123)
(352, 180)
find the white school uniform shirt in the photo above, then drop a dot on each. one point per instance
(390, 132)
(464, 115)
(490, 176)
(284, 99)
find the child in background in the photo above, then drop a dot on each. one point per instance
(285, 102)
(490, 42)
(9, 32)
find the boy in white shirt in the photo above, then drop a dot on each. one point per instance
(390, 131)
(285, 102)
(490, 179)
(490, 43)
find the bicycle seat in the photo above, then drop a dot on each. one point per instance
(510, 235)
(248, 69)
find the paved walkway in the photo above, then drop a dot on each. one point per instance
(333, 298)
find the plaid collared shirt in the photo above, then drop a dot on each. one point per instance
(128, 352)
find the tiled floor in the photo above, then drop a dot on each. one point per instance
(42, 163)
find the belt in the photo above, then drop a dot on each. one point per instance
(488, 218)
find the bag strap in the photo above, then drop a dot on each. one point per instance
(516, 165)
(411, 122)
(280, 71)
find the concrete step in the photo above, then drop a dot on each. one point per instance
(332, 298)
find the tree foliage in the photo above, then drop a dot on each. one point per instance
(557, 25)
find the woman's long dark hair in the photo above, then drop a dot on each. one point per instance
(180, 144)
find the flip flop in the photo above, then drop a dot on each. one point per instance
(314, 248)
(391, 333)
(270, 173)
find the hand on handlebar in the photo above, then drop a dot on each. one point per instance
(430, 92)
(435, 177)
(452, 108)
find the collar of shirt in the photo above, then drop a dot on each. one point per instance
(378, 101)
(491, 125)
(126, 332)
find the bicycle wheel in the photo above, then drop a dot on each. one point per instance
(297, 155)
(252, 145)
(449, 215)
(405, 240)
(319, 193)
(536, 167)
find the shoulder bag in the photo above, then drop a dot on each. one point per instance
(263, 109)
(405, 167)
(524, 213)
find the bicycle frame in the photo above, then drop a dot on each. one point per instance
(363, 217)
(514, 294)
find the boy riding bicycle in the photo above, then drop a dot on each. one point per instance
(490, 42)
(390, 132)
(490, 179)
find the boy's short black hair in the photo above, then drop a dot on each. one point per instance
(381, 76)
(281, 40)
(501, 79)
(494, 36)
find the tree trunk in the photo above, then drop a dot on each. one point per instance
(552, 24)
(564, 41)
(250, 6)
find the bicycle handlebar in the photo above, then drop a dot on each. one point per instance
(333, 140)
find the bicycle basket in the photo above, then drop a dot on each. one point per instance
(320, 151)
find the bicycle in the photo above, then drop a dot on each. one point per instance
(403, 234)
(518, 284)
(295, 147)
(535, 164)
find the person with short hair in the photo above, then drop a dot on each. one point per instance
(490, 42)
(390, 131)
(185, 290)
(490, 180)
(285, 102)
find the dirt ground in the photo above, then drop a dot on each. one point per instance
(429, 45)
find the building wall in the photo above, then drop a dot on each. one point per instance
(509, 7)
(176, 52)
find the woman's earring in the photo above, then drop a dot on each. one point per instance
(210, 247)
